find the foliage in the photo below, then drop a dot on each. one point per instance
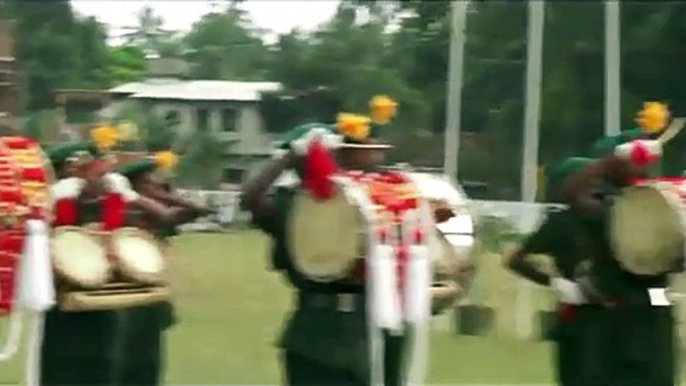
(398, 48)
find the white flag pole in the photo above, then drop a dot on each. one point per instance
(529, 170)
(453, 108)
(613, 109)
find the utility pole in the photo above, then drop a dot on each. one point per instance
(613, 87)
(454, 97)
(534, 70)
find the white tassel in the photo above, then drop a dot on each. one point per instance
(36, 290)
(375, 334)
(418, 311)
(386, 301)
(418, 292)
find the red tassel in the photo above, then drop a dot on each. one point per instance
(33, 174)
(402, 257)
(113, 212)
(18, 142)
(11, 194)
(640, 155)
(66, 212)
(566, 311)
(11, 241)
(318, 167)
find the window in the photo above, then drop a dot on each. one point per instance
(229, 119)
(232, 176)
(172, 118)
(202, 119)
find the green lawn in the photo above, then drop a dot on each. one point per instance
(231, 307)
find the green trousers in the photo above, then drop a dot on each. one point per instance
(123, 347)
(78, 348)
(621, 346)
(328, 347)
(142, 344)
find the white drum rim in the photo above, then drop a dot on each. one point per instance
(130, 271)
(675, 215)
(63, 272)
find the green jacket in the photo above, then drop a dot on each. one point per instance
(333, 338)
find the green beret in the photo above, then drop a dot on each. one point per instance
(59, 153)
(300, 131)
(607, 145)
(565, 169)
(138, 166)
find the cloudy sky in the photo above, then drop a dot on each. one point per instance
(279, 16)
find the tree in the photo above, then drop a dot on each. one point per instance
(149, 33)
(125, 64)
(226, 45)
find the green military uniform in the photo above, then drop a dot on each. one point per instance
(322, 343)
(79, 348)
(638, 338)
(560, 236)
(145, 325)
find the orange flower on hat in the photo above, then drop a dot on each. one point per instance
(353, 125)
(653, 117)
(104, 137)
(382, 109)
(166, 160)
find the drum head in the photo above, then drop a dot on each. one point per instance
(79, 258)
(324, 237)
(138, 254)
(647, 228)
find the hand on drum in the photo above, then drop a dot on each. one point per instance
(619, 170)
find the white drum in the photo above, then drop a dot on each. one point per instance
(139, 256)
(79, 257)
(647, 226)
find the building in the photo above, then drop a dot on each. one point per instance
(9, 75)
(230, 110)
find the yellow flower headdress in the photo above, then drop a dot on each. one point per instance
(653, 117)
(382, 109)
(353, 125)
(359, 127)
(104, 137)
(166, 160)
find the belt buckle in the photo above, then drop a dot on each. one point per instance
(345, 303)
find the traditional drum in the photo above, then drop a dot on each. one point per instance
(138, 255)
(648, 227)
(453, 238)
(80, 258)
(328, 250)
(325, 250)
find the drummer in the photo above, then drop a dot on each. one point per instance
(82, 348)
(145, 338)
(578, 360)
(639, 337)
(323, 342)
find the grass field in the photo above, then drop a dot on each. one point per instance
(231, 308)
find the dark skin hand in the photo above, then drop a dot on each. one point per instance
(149, 185)
(518, 263)
(579, 190)
(96, 187)
(254, 194)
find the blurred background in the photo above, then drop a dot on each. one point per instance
(221, 89)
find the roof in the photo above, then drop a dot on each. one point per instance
(197, 90)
